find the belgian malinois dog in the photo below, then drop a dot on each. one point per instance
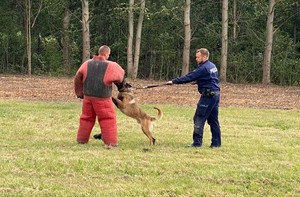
(127, 105)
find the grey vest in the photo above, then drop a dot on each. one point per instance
(93, 84)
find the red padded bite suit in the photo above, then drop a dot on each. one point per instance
(93, 82)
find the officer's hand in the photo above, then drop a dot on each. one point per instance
(169, 83)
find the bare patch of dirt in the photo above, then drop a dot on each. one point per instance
(242, 95)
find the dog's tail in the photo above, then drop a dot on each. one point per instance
(159, 114)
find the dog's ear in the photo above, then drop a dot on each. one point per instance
(127, 85)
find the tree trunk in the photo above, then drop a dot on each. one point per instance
(234, 20)
(224, 51)
(295, 33)
(269, 44)
(138, 40)
(85, 31)
(296, 22)
(187, 38)
(28, 34)
(130, 40)
(66, 39)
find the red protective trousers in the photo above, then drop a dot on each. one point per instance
(104, 110)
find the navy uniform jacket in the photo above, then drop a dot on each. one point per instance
(206, 76)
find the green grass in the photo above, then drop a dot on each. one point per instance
(40, 157)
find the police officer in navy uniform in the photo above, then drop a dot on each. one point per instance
(206, 77)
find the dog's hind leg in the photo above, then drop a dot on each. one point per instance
(147, 132)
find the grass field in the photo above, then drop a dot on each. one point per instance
(260, 155)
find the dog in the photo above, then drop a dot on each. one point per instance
(126, 103)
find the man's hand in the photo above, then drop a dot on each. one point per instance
(80, 96)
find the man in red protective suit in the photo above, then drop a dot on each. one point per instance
(93, 83)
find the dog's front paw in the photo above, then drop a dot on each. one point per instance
(115, 102)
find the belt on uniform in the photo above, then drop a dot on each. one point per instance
(210, 93)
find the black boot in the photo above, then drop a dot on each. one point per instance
(97, 136)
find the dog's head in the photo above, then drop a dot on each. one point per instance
(124, 86)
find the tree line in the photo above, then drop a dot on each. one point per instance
(250, 41)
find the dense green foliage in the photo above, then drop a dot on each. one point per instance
(162, 37)
(40, 156)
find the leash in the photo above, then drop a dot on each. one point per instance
(152, 86)
(157, 85)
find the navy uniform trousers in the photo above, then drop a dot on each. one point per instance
(207, 110)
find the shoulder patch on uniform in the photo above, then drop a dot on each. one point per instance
(213, 70)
